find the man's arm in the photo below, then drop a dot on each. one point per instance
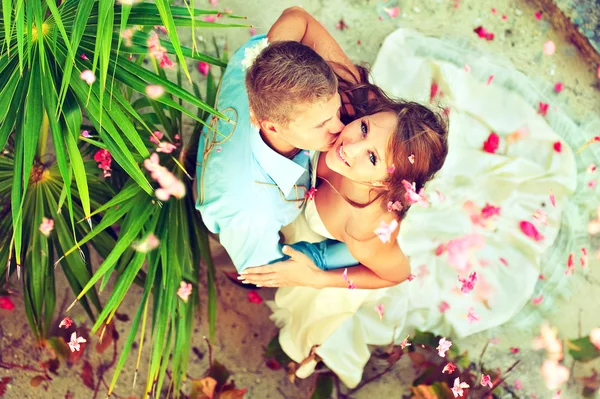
(298, 25)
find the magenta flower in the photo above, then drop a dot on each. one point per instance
(46, 226)
(443, 347)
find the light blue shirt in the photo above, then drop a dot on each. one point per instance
(247, 191)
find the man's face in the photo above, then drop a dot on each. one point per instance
(316, 125)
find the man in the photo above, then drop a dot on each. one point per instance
(253, 174)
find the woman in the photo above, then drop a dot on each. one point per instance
(475, 251)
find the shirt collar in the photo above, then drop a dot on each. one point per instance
(284, 172)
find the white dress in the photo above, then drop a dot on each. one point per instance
(517, 178)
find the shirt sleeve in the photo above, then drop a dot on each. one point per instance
(328, 254)
(250, 241)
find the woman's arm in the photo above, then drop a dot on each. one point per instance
(388, 266)
(298, 25)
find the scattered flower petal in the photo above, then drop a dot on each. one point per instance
(310, 194)
(443, 307)
(104, 160)
(537, 300)
(591, 168)
(443, 346)
(541, 216)
(552, 198)
(86, 134)
(570, 264)
(530, 230)
(543, 109)
(210, 18)
(457, 389)
(554, 374)
(46, 226)
(392, 12)
(6, 303)
(491, 144)
(84, 57)
(538, 15)
(75, 341)
(391, 169)
(472, 316)
(203, 68)
(154, 91)
(411, 195)
(184, 291)
(156, 136)
(483, 33)
(559, 87)
(486, 381)
(518, 385)
(405, 342)
(349, 282)
(490, 79)
(468, 283)
(380, 311)
(595, 337)
(514, 350)
(411, 277)
(87, 76)
(384, 231)
(66, 323)
(557, 146)
(254, 297)
(394, 206)
(549, 47)
(165, 148)
(449, 368)
(584, 257)
(149, 243)
(548, 340)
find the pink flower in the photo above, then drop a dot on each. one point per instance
(384, 231)
(392, 12)
(405, 342)
(449, 368)
(490, 79)
(213, 2)
(84, 57)
(165, 62)
(394, 206)
(411, 277)
(254, 297)
(380, 311)
(530, 230)
(46, 226)
(66, 323)
(412, 196)
(490, 210)
(210, 18)
(170, 185)
(554, 374)
(443, 306)
(434, 89)
(486, 381)
(492, 143)
(75, 341)
(468, 283)
(472, 316)
(513, 350)
(547, 340)
(6, 303)
(184, 291)
(149, 243)
(543, 109)
(538, 15)
(549, 47)
(87, 76)
(591, 168)
(310, 194)
(483, 33)
(559, 87)
(154, 91)
(584, 257)
(203, 68)
(552, 198)
(166, 148)
(86, 134)
(349, 282)
(104, 160)
(595, 337)
(504, 261)
(457, 389)
(518, 385)
(443, 346)
(411, 158)
(570, 264)
(537, 300)
(156, 136)
(461, 250)
(252, 31)
(557, 146)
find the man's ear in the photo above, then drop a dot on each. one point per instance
(270, 128)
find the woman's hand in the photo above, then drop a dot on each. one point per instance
(299, 270)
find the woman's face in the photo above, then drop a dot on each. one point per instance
(360, 151)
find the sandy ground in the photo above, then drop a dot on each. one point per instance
(244, 329)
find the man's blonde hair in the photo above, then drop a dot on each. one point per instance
(286, 74)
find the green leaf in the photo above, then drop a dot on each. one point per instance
(582, 349)
(323, 387)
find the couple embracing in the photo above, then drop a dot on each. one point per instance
(308, 185)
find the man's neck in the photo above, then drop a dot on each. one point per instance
(279, 146)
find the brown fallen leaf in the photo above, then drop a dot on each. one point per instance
(204, 388)
(233, 394)
(4, 381)
(37, 380)
(87, 375)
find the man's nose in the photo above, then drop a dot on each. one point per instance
(336, 126)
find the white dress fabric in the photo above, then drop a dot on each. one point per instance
(518, 178)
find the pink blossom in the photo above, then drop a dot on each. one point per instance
(46, 226)
(184, 291)
(557, 146)
(104, 160)
(486, 380)
(75, 341)
(543, 109)
(518, 385)
(547, 340)
(84, 57)
(154, 91)
(156, 136)
(491, 143)
(538, 15)
(203, 68)
(394, 206)
(457, 389)
(530, 230)
(66, 323)
(449, 368)
(559, 87)
(87, 76)
(210, 18)
(384, 231)
(468, 283)
(490, 210)
(443, 346)
(549, 47)
(504, 261)
(514, 350)
(554, 374)
(405, 342)
(166, 148)
(380, 311)
(165, 62)
(595, 337)
(467, 68)
(86, 134)
(149, 243)
(213, 2)
(392, 12)
(461, 250)
(483, 33)
(391, 169)
(412, 196)
(472, 316)
(443, 306)
(170, 185)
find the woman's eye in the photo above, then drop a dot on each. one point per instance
(372, 158)
(363, 128)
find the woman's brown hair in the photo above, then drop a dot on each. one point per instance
(420, 132)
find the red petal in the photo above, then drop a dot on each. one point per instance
(557, 146)
(530, 230)
(6, 303)
(254, 297)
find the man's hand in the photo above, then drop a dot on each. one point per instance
(299, 270)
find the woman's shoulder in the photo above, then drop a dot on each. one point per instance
(367, 239)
